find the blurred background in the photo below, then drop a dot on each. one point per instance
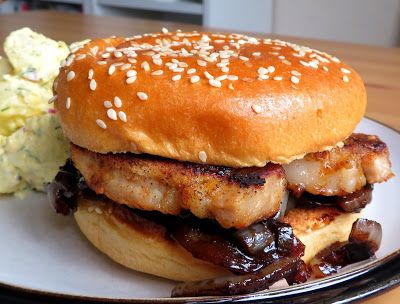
(374, 22)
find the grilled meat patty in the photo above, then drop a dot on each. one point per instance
(233, 197)
(362, 159)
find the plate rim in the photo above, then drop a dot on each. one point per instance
(271, 295)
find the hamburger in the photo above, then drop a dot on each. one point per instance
(196, 156)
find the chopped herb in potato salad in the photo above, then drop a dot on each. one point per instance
(32, 144)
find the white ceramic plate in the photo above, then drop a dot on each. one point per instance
(45, 252)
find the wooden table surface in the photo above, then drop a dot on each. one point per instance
(378, 66)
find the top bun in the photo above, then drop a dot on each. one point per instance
(224, 99)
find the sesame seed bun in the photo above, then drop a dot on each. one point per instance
(209, 98)
(146, 247)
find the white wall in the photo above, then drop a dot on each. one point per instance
(240, 15)
(360, 21)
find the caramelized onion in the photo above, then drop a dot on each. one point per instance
(352, 202)
(364, 241)
(62, 191)
(239, 284)
(356, 201)
(366, 233)
(214, 248)
(256, 239)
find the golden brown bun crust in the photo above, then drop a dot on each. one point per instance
(147, 250)
(245, 122)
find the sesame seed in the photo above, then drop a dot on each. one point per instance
(145, 66)
(345, 78)
(90, 74)
(294, 79)
(110, 49)
(52, 99)
(256, 108)
(164, 30)
(194, 79)
(132, 60)
(131, 73)
(263, 77)
(203, 156)
(287, 62)
(281, 57)
(157, 73)
(117, 102)
(335, 59)
(98, 210)
(107, 104)
(176, 77)
(313, 64)
(111, 70)
(117, 54)
(325, 68)
(346, 71)
(295, 73)
(122, 116)
(208, 75)
(131, 80)
(70, 75)
(230, 86)
(125, 66)
(94, 50)
(157, 61)
(68, 103)
(142, 96)
(215, 83)
(182, 64)
(191, 71)
(112, 114)
(256, 54)
(221, 78)
(178, 70)
(93, 84)
(90, 209)
(225, 69)
(201, 63)
(101, 62)
(80, 57)
(105, 55)
(262, 71)
(232, 77)
(101, 123)
(278, 78)
(244, 58)
(271, 69)
(69, 60)
(306, 64)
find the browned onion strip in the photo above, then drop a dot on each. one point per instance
(364, 241)
(214, 248)
(356, 201)
(240, 284)
(352, 202)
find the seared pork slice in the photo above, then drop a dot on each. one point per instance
(233, 197)
(362, 159)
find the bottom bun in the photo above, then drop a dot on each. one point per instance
(148, 250)
(146, 246)
(320, 227)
